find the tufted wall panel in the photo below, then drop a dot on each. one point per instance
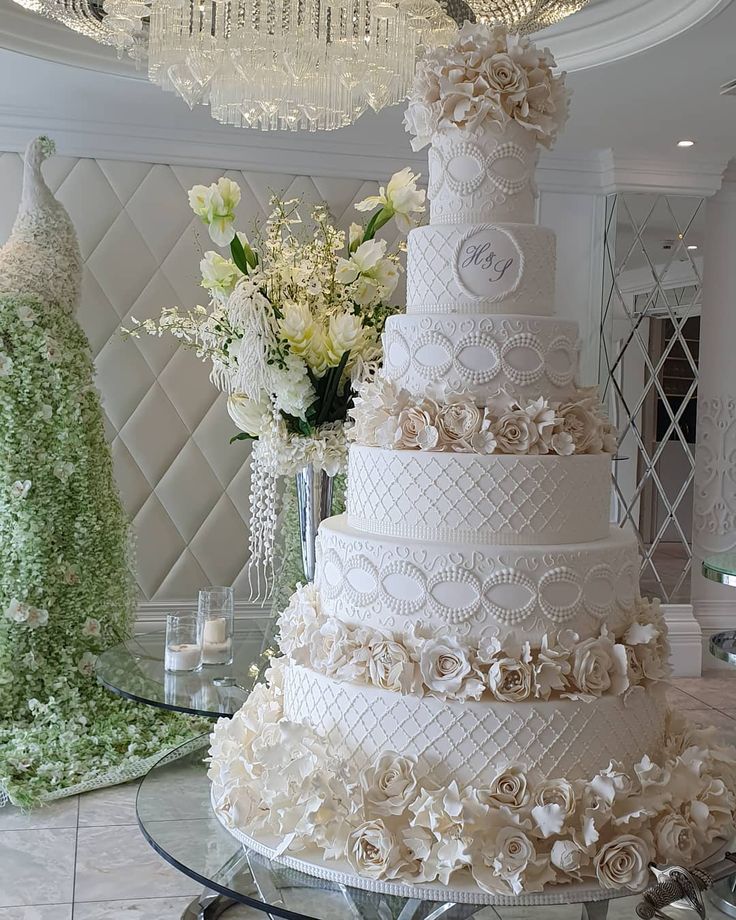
(184, 486)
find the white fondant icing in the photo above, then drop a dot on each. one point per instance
(471, 742)
(472, 499)
(482, 353)
(392, 583)
(483, 175)
(434, 284)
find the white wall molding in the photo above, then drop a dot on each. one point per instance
(152, 614)
(686, 640)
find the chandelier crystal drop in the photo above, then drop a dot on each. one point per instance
(526, 15)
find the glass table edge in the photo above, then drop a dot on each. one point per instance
(718, 575)
(715, 646)
(160, 704)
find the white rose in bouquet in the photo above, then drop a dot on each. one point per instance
(624, 862)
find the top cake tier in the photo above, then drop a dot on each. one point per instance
(482, 176)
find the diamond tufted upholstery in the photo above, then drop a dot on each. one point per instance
(184, 486)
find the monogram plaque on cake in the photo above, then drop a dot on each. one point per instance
(488, 263)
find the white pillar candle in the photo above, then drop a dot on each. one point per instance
(216, 652)
(184, 657)
(215, 631)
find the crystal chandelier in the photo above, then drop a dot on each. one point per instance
(526, 15)
(288, 64)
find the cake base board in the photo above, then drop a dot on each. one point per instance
(342, 873)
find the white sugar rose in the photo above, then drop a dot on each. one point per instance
(416, 427)
(675, 839)
(568, 857)
(510, 680)
(389, 784)
(389, 665)
(515, 433)
(505, 78)
(444, 666)
(515, 853)
(600, 666)
(374, 851)
(509, 788)
(331, 647)
(554, 806)
(580, 421)
(624, 863)
(457, 423)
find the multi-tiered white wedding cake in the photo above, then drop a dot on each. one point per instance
(469, 702)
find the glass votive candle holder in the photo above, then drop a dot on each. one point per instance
(183, 651)
(215, 621)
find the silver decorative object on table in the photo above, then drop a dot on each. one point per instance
(314, 503)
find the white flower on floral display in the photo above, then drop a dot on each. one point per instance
(86, 664)
(250, 415)
(215, 206)
(581, 422)
(389, 784)
(509, 788)
(515, 432)
(510, 679)
(16, 611)
(293, 390)
(345, 333)
(624, 862)
(355, 235)
(6, 364)
(219, 274)
(544, 419)
(599, 665)
(514, 854)
(374, 852)
(365, 258)
(444, 666)
(92, 627)
(20, 488)
(297, 326)
(420, 121)
(45, 412)
(71, 575)
(51, 351)
(314, 286)
(386, 273)
(26, 314)
(484, 442)
(37, 616)
(416, 427)
(401, 198)
(63, 469)
(366, 291)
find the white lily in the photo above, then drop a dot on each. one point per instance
(365, 258)
(401, 199)
(218, 273)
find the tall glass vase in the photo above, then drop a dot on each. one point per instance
(314, 504)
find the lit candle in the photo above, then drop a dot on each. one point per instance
(183, 657)
(215, 631)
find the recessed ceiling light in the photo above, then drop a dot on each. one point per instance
(692, 246)
(686, 143)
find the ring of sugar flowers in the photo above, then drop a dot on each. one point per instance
(519, 833)
(507, 669)
(387, 416)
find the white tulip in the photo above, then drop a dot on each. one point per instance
(218, 273)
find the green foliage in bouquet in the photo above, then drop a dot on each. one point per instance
(66, 583)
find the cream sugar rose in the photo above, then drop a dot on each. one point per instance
(469, 701)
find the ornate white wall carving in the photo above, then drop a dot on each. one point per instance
(714, 510)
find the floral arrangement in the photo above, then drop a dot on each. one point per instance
(487, 75)
(520, 833)
(506, 669)
(389, 417)
(293, 325)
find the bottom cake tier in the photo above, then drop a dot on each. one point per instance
(387, 825)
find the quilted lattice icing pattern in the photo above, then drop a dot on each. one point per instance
(471, 498)
(392, 583)
(471, 742)
(433, 284)
(483, 176)
(528, 356)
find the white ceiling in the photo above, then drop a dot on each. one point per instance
(637, 107)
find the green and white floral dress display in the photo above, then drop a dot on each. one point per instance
(66, 580)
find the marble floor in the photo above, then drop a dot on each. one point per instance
(85, 859)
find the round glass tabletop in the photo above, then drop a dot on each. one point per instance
(135, 670)
(721, 568)
(175, 816)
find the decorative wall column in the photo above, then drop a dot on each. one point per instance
(714, 512)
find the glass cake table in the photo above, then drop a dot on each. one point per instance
(176, 817)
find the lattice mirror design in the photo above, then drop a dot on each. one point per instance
(649, 342)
